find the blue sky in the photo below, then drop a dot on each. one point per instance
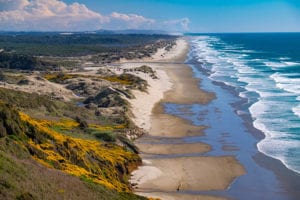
(172, 15)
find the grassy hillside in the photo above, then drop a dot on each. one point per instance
(38, 162)
(65, 133)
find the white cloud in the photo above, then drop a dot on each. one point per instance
(129, 21)
(137, 19)
(178, 24)
(48, 15)
(56, 15)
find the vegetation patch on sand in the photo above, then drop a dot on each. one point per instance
(144, 69)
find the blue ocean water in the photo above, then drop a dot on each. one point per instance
(264, 69)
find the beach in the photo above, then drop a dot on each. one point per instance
(177, 162)
(175, 172)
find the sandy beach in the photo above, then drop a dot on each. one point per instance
(167, 167)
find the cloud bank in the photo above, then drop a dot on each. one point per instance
(55, 15)
(47, 15)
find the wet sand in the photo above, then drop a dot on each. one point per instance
(179, 148)
(171, 196)
(191, 174)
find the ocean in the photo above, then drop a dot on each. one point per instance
(263, 71)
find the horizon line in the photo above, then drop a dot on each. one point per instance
(145, 30)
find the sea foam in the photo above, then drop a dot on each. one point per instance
(272, 87)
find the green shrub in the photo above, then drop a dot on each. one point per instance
(128, 143)
(105, 136)
(82, 123)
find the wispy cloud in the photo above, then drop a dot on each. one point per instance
(178, 24)
(6, 5)
(119, 20)
(55, 15)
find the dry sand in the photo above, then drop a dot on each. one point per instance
(164, 177)
(144, 102)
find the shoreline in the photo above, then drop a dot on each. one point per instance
(287, 180)
(256, 133)
(170, 143)
(164, 171)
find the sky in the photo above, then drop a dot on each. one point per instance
(168, 15)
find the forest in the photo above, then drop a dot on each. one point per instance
(58, 44)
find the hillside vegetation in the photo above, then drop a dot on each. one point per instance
(99, 168)
(65, 122)
(55, 44)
